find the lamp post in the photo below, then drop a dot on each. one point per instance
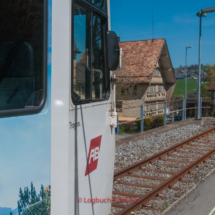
(200, 14)
(185, 96)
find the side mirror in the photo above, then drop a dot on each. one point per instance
(113, 50)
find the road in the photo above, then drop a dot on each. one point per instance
(199, 202)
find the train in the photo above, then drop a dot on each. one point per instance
(57, 107)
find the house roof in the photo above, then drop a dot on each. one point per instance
(212, 88)
(140, 59)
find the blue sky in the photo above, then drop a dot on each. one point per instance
(174, 20)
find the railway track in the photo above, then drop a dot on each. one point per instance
(152, 176)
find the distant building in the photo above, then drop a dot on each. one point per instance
(179, 78)
(146, 77)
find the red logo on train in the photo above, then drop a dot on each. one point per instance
(93, 156)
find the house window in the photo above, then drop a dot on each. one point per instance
(134, 90)
(152, 89)
(153, 106)
(160, 106)
(161, 89)
(150, 107)
(123, 91)
(129, 91)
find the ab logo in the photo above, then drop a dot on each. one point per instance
(93, 156)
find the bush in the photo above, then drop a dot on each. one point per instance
(146, 122)
(127, 127)
(159, 119)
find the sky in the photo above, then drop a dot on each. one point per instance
(174, 20)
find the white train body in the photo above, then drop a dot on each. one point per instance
(61, 135)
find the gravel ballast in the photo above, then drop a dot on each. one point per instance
(133, 152)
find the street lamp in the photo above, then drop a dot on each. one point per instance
(185, 96)
(200, 14)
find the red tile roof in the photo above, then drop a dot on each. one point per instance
(139, 60)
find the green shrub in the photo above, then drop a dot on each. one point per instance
(159, 119)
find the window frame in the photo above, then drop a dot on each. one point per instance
(95, 11)
(35, 110)
(86, 3)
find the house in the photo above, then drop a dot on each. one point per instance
(146, 77)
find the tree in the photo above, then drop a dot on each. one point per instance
(42, 193)
(22, 199)
(210, 75)
(30, 198)
(33, 194)
(204, 92)
(26, 196)
(209, 80)
(19, 208)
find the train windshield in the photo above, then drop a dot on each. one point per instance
(22, 55)
(90, 73)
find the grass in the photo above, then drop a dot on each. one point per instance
(132, 130)
(166, 205)
(192, 87)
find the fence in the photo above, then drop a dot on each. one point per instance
(171, 111)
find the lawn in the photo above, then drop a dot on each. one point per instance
(192, 87)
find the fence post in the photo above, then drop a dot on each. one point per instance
(117, 123)
(183, 112)
(142, 119)
(165, 107)
(185, 108)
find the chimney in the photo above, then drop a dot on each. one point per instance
(119, 39)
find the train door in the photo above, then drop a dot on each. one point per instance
(82, 138)
(90, 111)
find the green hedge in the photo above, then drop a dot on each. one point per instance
(159, 119)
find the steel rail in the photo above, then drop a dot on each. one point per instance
(163, 186)
(168, 183)
(156, 156)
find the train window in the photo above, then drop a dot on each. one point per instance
(90, 75)
(97, 58)
(99, 3)
(22, 57)
(81, 55)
